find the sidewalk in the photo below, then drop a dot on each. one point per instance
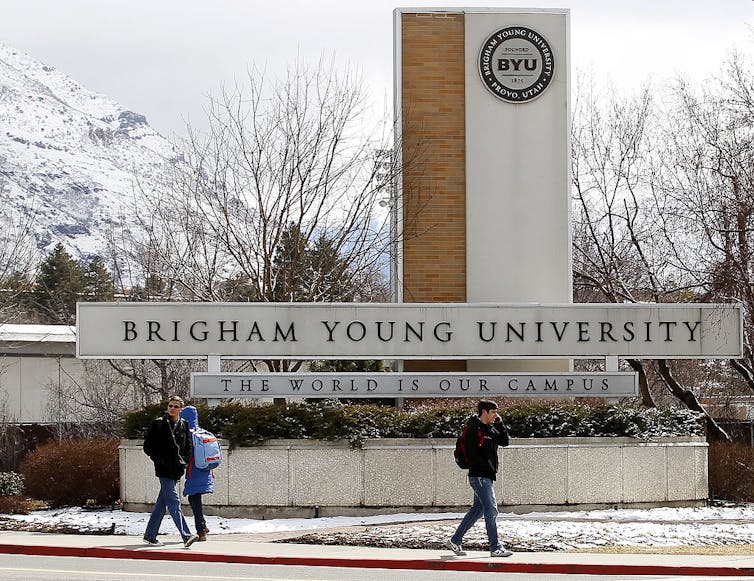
(239, 548)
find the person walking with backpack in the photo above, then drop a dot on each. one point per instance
(480, 439)
(168, 444)
(198, 480)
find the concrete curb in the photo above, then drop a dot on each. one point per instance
(452, 564)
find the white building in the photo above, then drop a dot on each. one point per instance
(37, 365)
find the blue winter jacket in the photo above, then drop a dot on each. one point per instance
(198, 481)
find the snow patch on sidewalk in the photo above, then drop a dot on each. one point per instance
(535, 531)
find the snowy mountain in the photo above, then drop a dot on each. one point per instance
(68, 156)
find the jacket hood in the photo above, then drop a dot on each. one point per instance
(474, 419)
(190, 414)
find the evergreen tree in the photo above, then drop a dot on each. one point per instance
(154, 289)
(347, 366)
(310, 272)
(330, 279)
(59, 284)
(98, 282)
(15, 298)
(289, 266)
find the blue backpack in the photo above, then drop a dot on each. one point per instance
(207, 453)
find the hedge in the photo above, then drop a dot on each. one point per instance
(73, 472)
(244, 425)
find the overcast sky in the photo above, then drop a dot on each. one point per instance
(163, 57)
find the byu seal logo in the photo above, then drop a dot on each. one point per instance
(516, 64)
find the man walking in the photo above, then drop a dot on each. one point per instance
(168, 444)
(481, 437)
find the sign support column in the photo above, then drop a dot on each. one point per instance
(213, 366)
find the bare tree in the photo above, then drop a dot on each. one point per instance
(624, 236)
(285, 197)
(101, 394)
(609, 163)
(18, 259)
(280, 156)
(155, 379)
(709, 182)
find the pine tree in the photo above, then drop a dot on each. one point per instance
(59, 284)
(289, 266)
(98, 282)
(329, 277)
(15, 298)
(312, 272)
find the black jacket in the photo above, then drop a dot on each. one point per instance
(481, 443)
(169, 447)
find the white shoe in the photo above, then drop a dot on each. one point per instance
(190, 541)
(501, 552)
(455, 548)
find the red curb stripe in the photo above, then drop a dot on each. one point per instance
(414, 564)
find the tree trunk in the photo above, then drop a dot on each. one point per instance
(744, 371)
(714, 431)
(646, 396)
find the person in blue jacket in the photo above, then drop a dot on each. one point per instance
(198, 481)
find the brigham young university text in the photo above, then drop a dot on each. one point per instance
(417, 331)
(406, 331)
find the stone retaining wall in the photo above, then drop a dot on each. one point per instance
(287, 478)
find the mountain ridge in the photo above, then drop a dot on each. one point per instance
(69, 156)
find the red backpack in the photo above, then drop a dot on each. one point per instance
(459, 454)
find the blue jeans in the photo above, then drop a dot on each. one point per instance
(195, 500)
(485, 504)
(168, 498)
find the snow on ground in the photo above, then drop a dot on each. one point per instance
(536, 531)
(134, 523)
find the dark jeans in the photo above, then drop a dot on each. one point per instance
(167, 499)
(485, 504)
(195, 500)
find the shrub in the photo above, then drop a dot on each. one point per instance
(731, 471)
(11, 484)
(435, 422)
(73, 473)
(331, 420)
(135, 423)
(253, 425)
(17, 505)
(357, 423)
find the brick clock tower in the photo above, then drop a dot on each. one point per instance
(483, 204)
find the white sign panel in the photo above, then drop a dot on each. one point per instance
(357, 385)
(406, 331)
(517, 155)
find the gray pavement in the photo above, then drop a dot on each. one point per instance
(241, 548)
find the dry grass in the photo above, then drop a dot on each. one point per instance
(673, 550)
(19, 505)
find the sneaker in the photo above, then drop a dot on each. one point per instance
(202, 537)
(149, 541)
(190, 541)
(501, 552)
(455, 548)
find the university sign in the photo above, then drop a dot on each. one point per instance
(358, 385)
(406, 331)
(516, 64)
